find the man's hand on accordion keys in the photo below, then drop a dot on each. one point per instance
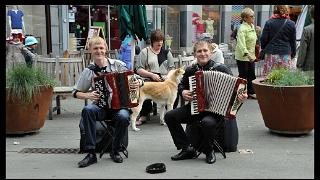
(187, 95)
(136, 84)
(94, 96)
(243, 96)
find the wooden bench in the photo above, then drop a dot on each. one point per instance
(185, 61)
(66, 72)
(113, 54)
(176, 53)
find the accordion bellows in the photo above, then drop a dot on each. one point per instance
(216, 92)
(114, 90)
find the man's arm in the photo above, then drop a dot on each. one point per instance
(83, 85)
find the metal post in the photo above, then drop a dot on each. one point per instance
(89, 17)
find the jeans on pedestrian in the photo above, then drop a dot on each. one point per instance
(92, 113)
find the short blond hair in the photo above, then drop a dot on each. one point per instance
(201, 43)
(246, 12)
(97, 40)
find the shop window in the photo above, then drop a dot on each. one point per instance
(115, 41)
(78, 28)
(206, 23)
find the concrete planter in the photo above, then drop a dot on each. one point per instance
(286, 109)
(26, 118)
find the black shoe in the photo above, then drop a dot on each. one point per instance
(88, 160)
(186, 153)
(210, 157)
(115, 156)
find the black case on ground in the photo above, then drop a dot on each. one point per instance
(227, 135)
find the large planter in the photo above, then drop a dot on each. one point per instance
(286, 109)
(26, 118)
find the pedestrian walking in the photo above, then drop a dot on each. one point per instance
(245, 49)
(278, 40)
(306, 52)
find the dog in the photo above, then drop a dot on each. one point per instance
(163, 93)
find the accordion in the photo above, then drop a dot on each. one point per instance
(216, 92)
(114, 90)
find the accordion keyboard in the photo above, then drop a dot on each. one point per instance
(192, 88)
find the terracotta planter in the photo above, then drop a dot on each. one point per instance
(286, 109)
(26, 118)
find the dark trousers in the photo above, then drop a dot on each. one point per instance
(182, 115)
(246, 71)
(92, 113)
(146, 107)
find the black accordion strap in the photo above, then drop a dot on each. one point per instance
(95, 69)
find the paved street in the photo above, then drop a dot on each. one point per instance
(273, 156)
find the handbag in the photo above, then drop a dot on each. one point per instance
(262, 52)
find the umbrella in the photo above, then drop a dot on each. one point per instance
(133, 21)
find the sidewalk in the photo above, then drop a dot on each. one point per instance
(273, 156)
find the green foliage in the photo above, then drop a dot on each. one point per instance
(23, 82)
(286, 77)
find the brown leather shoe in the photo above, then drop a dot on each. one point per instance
(141, 120)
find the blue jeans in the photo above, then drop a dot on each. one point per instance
(92, 113)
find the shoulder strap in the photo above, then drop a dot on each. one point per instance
(148, 58)
(277, 33)
(94, 68)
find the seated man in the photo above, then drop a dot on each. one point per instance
(209, 121)
(92, 112)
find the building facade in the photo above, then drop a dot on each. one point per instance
(66, 27)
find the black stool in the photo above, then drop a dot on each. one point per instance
(196, 136)
(108, 125)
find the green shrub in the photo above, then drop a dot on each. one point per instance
(23, 82)
(287, 77)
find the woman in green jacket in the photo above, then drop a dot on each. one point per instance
(245, 49)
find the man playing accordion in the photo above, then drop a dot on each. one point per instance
(182, 115)
(92, 112)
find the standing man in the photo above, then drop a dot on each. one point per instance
(306, 52)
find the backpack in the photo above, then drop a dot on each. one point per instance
(227, 137)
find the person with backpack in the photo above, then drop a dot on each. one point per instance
(92, 112)
(278, 40)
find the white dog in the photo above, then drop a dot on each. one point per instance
(163, 93)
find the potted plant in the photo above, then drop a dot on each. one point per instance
(28, 96)
(286, 101)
